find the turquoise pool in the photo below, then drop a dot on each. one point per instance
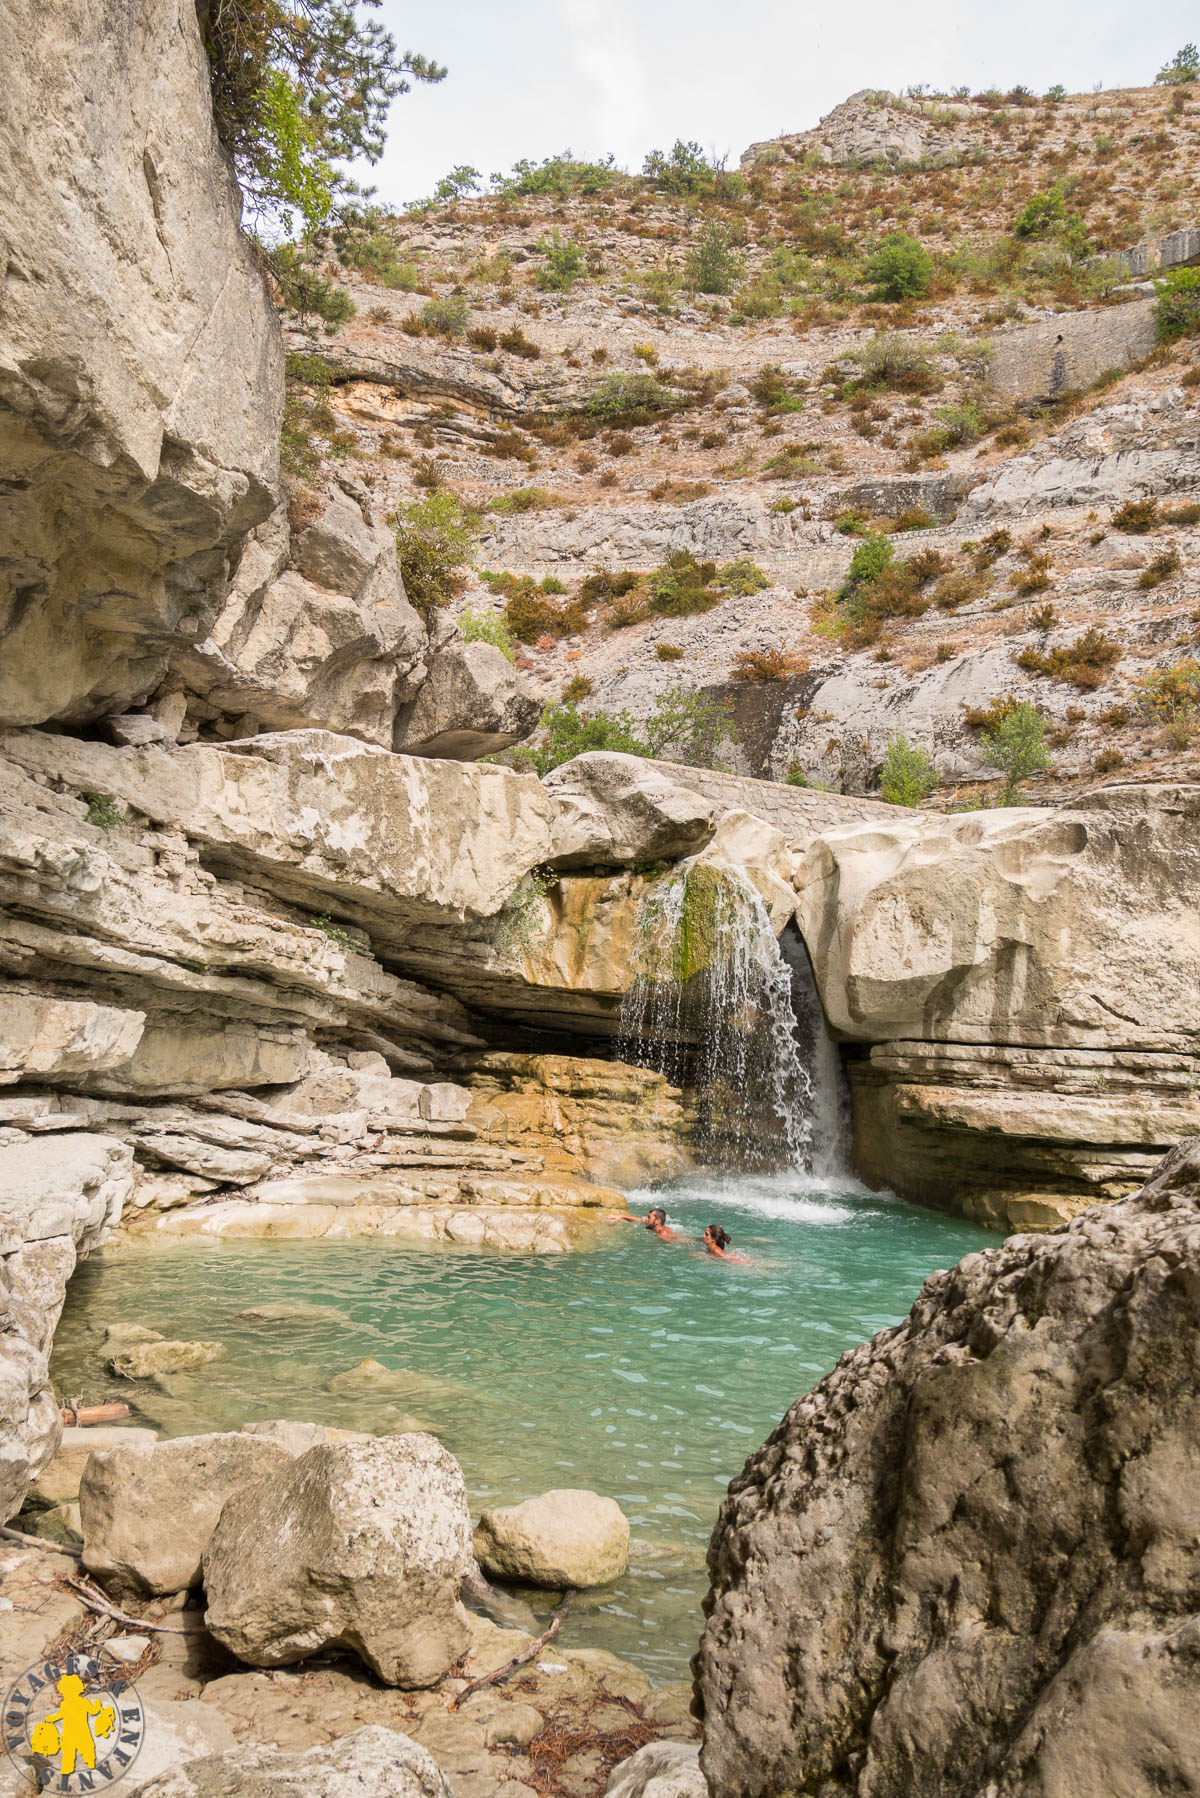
(643, 1369)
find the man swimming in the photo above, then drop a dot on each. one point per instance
(717, 1241)
(655, 1219)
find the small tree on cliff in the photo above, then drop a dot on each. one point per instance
(299, 86)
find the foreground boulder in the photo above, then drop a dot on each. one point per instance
(969, 1560)
(375, 1761)
(363, 1544)
(559, 1539)
(148, 1510)
(659, 1770)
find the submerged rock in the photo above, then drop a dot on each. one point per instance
(142, 1360)
(148, 1510)
(374, 1761)
(364, 1544)
(968, 1561)
(559, 1539)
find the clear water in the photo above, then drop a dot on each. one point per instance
(643, 1369)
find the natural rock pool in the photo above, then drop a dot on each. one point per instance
(644, 1369)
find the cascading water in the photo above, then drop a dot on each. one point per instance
(719, 1010)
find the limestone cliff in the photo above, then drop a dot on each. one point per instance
(140, 360)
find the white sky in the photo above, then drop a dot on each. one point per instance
(537, 76)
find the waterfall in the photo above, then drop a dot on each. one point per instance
(718, 1008)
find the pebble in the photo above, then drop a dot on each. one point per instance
(127, 1648)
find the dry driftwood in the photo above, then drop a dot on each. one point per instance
(518, 1660)
(96, 1601)
(8, 1534)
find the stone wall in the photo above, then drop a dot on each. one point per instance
(1061, 354)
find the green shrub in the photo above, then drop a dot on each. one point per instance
(487, 627)
(102, 811)
(901, 268)
(1017, 747)
(1170, 696)
(363, 244)
(896, 363)
(907, 776)
(711, 265)
(445, 318)
(564, 264)
(460, 182)
(524, 499)
(434, 537)
(632, 400)
(517, 344)
(307, 292)
(870, 559)
(1057, 92)
(1040, 214)
(1177, 307)
(683, 169)
(531, 613)
(561, 175)
(1185, 67)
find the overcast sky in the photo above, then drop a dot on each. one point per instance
(533, 77)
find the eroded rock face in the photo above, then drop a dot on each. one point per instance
(316, 632)
(615, 809)
(140, 359)
(58, 1198)
(1075, 926)
(559, 1539)
(968, 1561)
(148, 1509)
(375, 1760)
(472, 702)
(362, 1543)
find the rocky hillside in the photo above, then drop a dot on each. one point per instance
(1014, 440)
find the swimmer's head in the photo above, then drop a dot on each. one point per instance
(719, 1238)
(655, 1216)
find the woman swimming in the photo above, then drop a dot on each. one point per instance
(717, 1241)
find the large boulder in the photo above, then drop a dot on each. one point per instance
(472, 703)
(59, 1196)
(316, 632)
(968, 1561)
(148, 1509)
(1072, 927)
(659, 1770)
(375, 1761)
(559, 1539)
(616, 810)
(140, 358)
(364, 1544)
